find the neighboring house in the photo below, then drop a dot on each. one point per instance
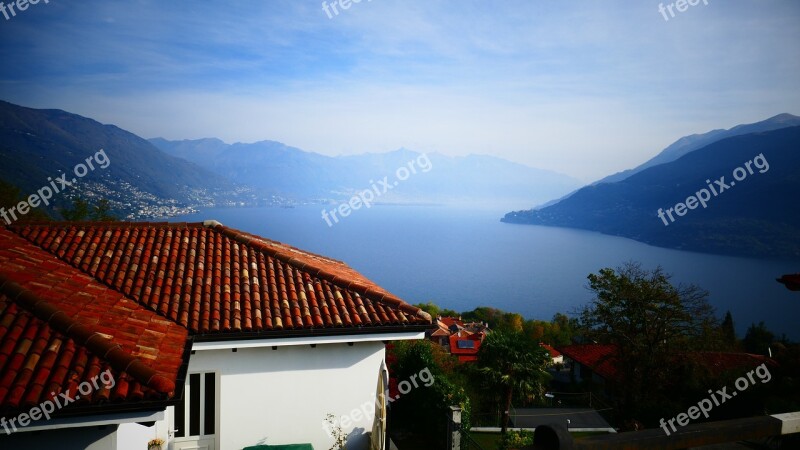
(460, 339)
(591, 362)
(599, 363)
(465, 345)
(198, 334)
(555, 356)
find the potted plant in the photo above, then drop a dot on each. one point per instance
(155, 444)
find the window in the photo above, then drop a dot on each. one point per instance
(465, 344)
(195, 415)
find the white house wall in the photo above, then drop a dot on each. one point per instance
(282, 396)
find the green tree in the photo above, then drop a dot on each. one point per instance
(81, 210)
(649, 321)
(513, 364)
(102, 212)
(758, 339)
(558, 331)
(434, 310)
(728, 331)
(10, 197)
(78, 212)
(496, 318)
(423, 410)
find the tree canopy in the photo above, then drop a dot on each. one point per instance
(651, 322)
(512, 363)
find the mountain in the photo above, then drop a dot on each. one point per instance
(37, 145)
(289, 171)
(756, 216)
(688, 144)
(197, 151)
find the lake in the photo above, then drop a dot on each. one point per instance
(462, 258)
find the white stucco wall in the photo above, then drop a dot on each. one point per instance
(132, 436)
(282, 396)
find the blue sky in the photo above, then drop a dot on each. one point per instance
(585, 88)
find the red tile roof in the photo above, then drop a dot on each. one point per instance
(553, 352)
(59, 327)
(719, 362)
(79, 298)
(598, 357)
(602, 359)
(214, 279)
(450, 321)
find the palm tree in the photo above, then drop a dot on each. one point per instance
(513, 364)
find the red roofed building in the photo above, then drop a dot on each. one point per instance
(216, 336)
(599, 362)
(460, 339)
(555, 356)
(465, 345)
(594, 362)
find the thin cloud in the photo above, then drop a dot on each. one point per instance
(542, 83)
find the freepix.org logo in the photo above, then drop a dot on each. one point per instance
(57, 401)
(703, 196)
(12, 8)
(367, 197)
(60, 184)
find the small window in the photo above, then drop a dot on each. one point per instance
(465, 344)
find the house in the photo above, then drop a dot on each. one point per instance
(591, 362)
(465, 345)
(599, 362)
(460, 339)
(112, 334)
(555, 356)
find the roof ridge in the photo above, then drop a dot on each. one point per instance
(361, 288)
(95, 342)
(110, 224)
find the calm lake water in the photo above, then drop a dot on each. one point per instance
(461, 258)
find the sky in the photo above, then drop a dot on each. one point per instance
(581, 87)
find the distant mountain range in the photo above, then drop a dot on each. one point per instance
(756, 216)
(158, 178)
(39, 144)
(288, 171)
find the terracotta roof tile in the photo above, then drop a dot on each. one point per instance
(213, 279)
(80, 298)
(603, 359)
